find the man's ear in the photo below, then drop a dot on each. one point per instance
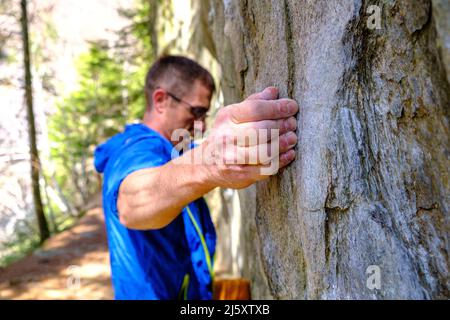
(159, 98)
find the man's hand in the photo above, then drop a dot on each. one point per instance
(151, 198)
(242, 146)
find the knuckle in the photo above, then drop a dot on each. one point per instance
(274, 109)
(282, 125)
(224, 113)
(282, 105)
(283, 142)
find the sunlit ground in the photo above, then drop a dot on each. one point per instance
(71, 265)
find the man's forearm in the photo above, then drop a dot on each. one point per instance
(152, 198)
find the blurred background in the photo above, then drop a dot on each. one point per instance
(370, 184)
(87, 61)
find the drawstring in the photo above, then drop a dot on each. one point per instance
(202, 239)
(184, 287)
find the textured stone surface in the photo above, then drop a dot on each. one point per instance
(441, 14)
(370, 185)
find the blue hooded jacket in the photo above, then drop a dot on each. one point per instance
(169, 263)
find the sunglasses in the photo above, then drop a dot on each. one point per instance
(198, 112)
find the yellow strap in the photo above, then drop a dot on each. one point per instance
(184, 287)
(205, 247)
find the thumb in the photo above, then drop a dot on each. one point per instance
(269, 93)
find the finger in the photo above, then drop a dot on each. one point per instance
(274, 166)
(273, 150)
(259, 132)
(269, 93)
(258, 110)
(261, 153)
(262, 172)
(286, 158)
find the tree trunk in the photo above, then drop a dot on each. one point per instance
(34, 156)
(363, 212)
(152, 25)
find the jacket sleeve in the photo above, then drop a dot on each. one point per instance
(137, 155)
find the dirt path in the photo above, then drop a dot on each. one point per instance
(71, 265)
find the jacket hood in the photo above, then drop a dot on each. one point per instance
(104, 151)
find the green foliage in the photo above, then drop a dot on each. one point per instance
(97, 110)
(109, 95)
(24, 244)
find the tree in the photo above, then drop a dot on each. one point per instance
(34, 155)
(109, 95)
(363, 211)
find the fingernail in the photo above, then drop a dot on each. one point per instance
(291, 138)
(272, 90)
(291, 155)
(292, 107)
(270, 93)
(292, 124)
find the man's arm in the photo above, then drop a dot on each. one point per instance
(152, 198)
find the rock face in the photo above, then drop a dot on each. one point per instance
(363, 212)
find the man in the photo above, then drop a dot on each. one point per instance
(160, 234)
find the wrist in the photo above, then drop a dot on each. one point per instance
(193, 165)
(203, 170)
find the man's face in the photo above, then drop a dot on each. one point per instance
(178, 114)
